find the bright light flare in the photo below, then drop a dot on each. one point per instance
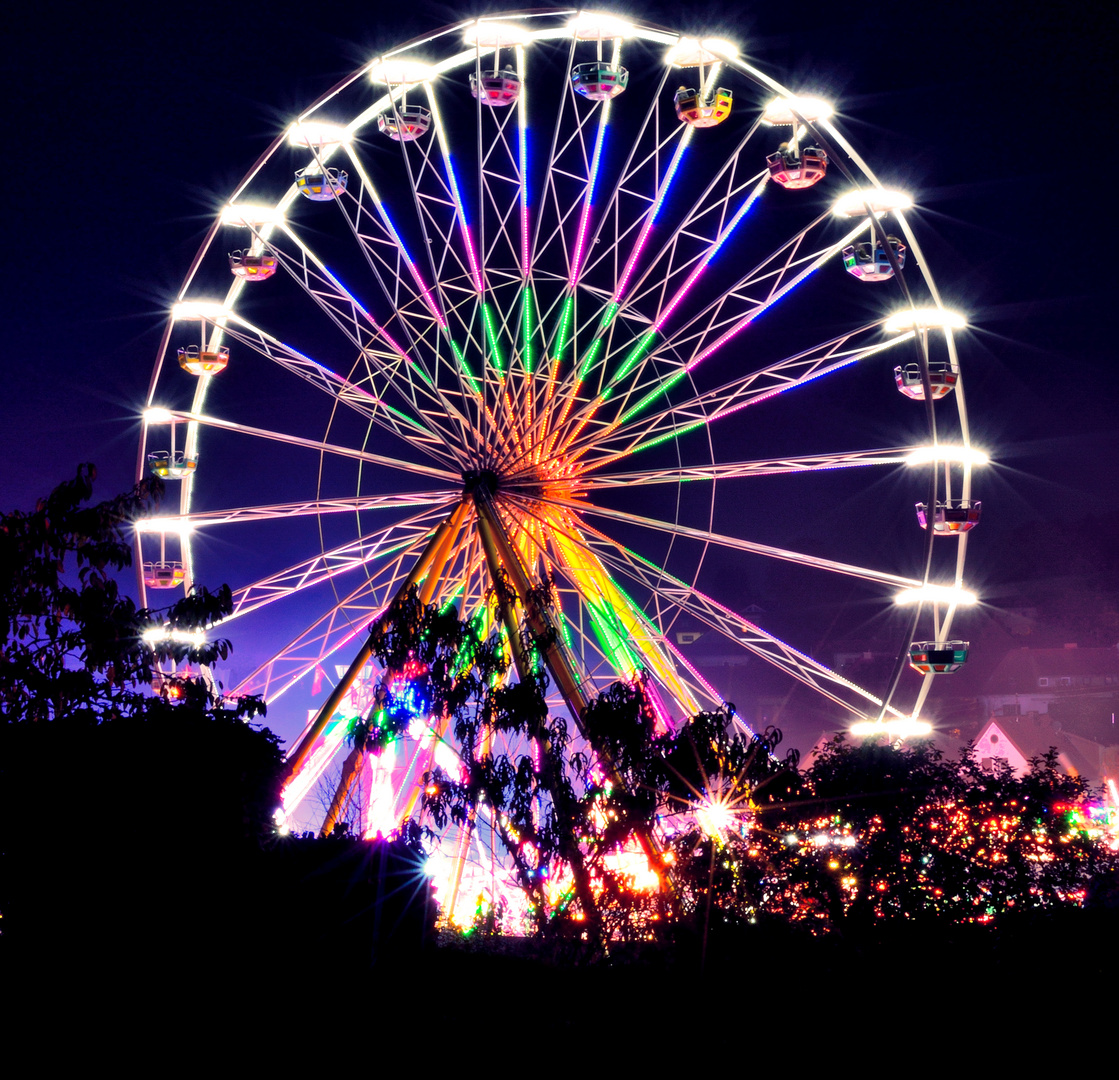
(937, 594)
(955, 455)
(925, 319)
(317, 134)
(401, 72)
(200, 309)
(880, 200)
(902, 727)
(787, 110)
(157, 415)
(178, 525)
(715, 816)
(155, 635)
(496, 35)
(248, 216)
(591, 25)
(691, 52)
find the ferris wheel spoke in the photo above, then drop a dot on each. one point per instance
(748, 635)
(626, 385)
(310, 508)
(705, 222)
(763, 280)
(735, 544)
(360, 400)
(438, 298)
(404, 371)
(386, 234)
(624, 632)
(314, 445)
(568, 189)
(736, 469)
(619, 631)
(345, 621)
(401, 537)
(353, 318)
(342, 625)
(616, 440)
(594, 356)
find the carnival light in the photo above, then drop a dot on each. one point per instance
(496, 35)
(157, 415)
(316, 134)
(924, 319)
(200, 309)
(878, 200)
(179, 525)
(902, 727)
(786, 110)
(936, 594)
(959, 455)
(251, 216)
(157, 635)
(398, 71)
(691, 52)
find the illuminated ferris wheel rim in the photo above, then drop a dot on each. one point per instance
(505, 32)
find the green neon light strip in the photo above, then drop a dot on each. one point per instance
(565, 631)
(528, 319)
(491, 336)
(668, 435)
(564, 334)
(595, 348)
(465, 366)
(591, 357)
(652, 395)
(634, 609)
(640, 350)
(619, 653)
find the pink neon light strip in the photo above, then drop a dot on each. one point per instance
(464, 227)
(647, 228)
(425, 290)
(588, 199)
(522, 146)
(747, 319)
(697, 271)
(369, 318)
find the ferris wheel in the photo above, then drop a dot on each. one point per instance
(506, 302)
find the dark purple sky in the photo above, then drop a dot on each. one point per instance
(129, 131)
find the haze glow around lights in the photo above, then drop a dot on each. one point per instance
(200, 309)
(937, 594)
(925, 319)
(961, 455)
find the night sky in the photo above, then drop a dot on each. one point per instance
(129, 131)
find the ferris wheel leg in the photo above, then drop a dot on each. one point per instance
(502, 556)
(439, 542)
(351, 769)
(505, 567)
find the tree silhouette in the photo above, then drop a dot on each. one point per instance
(585, 811)
(889, 834)
(119, 809)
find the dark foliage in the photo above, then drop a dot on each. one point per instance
(121, 812)
(895, 834)
(577, 805)
(71, 645)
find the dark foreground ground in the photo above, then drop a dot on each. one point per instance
(1042, 984)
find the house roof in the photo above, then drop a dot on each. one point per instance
(1034, 735)
(1020, 669)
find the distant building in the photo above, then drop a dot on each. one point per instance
(1067, 698)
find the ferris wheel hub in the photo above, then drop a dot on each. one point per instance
(475, 480)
